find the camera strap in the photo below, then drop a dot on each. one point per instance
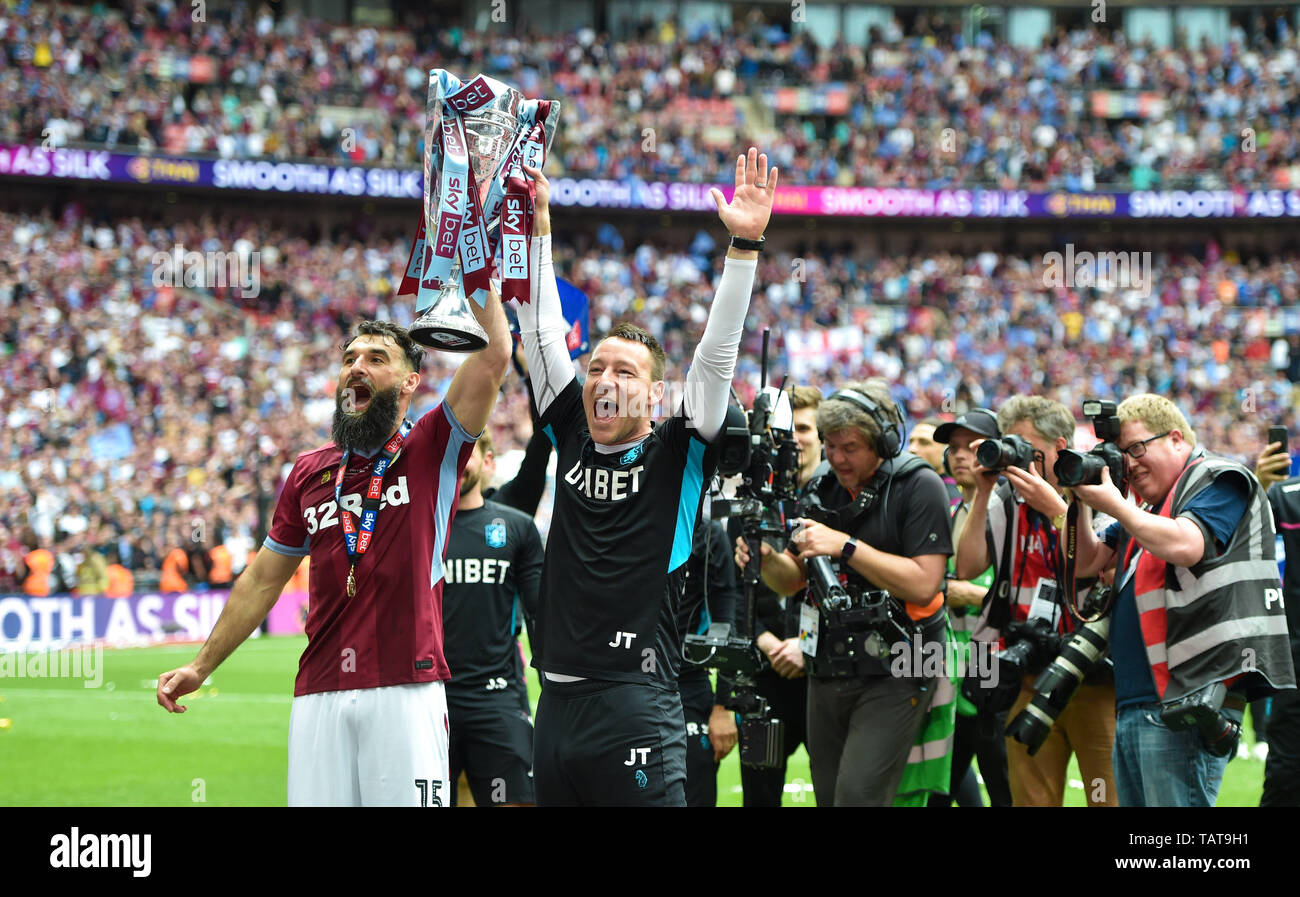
(896, 468)
(1069, 579)
(1125, 568)
(847, 516)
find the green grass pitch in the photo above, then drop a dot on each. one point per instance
(62, 744)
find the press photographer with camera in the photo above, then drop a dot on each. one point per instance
(1016, 526)
(1199, 624)
(923, 443)
(873, 546)
(977, 732)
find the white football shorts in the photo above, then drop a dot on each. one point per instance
(370, 747)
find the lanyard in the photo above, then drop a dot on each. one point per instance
(1161, 510)
(357, 538)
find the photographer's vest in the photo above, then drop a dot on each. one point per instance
(1223, 616)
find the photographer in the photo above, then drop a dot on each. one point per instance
(1199, 606)
(977, 732)
(1282, 772)
(784, 683)
(888, 531)
(924, 442)
(1016, 527)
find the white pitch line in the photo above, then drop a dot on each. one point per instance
(141, 695)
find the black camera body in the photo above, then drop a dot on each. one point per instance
(1202, 710)
(860, 623)
(869, 610)
(759, 447)
(842, 656)
(1004, 452)
(1031, 646)
(762, 738)
(1074, 468)
(861, 627)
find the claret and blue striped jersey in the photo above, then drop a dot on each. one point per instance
(390, 632)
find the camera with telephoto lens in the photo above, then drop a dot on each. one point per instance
(1004, 452)
(1081, 653)
(1074, 468)
(1031, 645)
(1202, 710)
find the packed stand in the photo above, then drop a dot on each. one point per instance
(141, 420)
(665, 105)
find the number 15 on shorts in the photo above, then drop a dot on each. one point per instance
(429, 788)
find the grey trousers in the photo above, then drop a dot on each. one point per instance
(860, 732)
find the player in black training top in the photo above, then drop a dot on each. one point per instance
(492, 570)
(610, 729)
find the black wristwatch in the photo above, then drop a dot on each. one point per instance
(850, 546)
(750, 245)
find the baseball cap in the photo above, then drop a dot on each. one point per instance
(978, 420)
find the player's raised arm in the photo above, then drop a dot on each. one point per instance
(475, 386)
(714, 364)
(541, 321)
(251, 599)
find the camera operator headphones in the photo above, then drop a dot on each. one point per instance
(889, 444)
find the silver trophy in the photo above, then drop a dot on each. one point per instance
(491, 132)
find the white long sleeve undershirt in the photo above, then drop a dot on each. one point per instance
(708, 382)
(542, 328)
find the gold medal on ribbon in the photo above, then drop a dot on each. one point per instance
(352, 581)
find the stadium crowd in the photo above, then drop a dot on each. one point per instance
(246, 84)
(142, 419)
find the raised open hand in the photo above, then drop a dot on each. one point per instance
(751, 205)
